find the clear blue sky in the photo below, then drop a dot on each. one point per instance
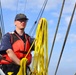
(68, 62)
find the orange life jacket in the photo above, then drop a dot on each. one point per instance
(20, 49)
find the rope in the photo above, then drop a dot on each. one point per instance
(56, 31)
(18, 5)
(10, 73)
(65, 39)
(22, 70)
(25, 5)
(40, 61)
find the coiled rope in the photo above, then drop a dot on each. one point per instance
(22, 70)
(40, 61)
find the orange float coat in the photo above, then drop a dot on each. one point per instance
(20, 49)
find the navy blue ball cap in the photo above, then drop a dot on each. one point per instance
(21, 16)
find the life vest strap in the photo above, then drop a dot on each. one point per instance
(24, 52)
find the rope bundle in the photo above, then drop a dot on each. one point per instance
(22, 70)
(40, 62)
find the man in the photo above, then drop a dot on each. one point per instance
(15, 45)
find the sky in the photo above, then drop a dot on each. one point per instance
(67, 64)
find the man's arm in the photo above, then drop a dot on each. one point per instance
(12, 56)
(6, 47)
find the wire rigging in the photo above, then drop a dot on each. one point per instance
(56, 31)
(17, 6)
(25, 5)
(68, 29)
(20, 6)
(31, 32)
(2, 31)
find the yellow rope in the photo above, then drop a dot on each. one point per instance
(10, 73)
(22, 70)
(40, 61)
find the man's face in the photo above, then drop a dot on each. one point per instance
(20, 24)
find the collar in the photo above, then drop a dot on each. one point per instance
(18, 34)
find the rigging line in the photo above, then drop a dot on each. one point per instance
(65, 39)
(1, 15)
(42, 10)
(39, 18)
(17, 6)
(44, 5)
(39, 15)
(56, 31)
(17, 9)
(25, 5)
(1, 20)
(0, 9)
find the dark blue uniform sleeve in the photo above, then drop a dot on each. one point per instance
(5, 42)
